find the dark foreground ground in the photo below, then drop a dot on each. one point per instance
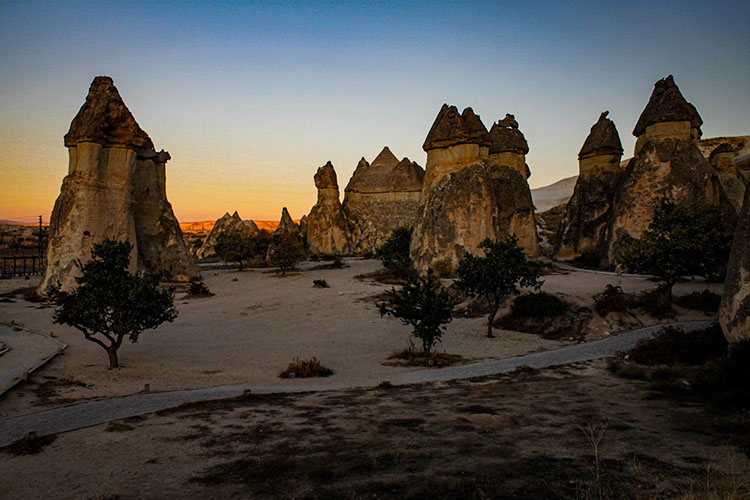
(568, 432)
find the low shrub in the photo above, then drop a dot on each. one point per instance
(537, 305)
(306, 368)
(320, 284)
(443, 268)
(705, 301)
(412, 357)
(655, 303)
(199, 289)
(673, 346)
(612, 299)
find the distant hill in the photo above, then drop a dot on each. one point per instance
(550, 196)
(205, 226)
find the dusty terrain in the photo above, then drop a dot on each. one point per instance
(258, 322)
(513, 436)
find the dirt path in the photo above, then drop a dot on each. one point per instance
(99, 411)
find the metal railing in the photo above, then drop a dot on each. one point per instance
(24, 265)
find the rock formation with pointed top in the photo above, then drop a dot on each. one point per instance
(286, 225)
(326, 228)
(668, 115)
(734, 312)
(584, 227)
(667, 164)
(454, 142)
(115, 189)
(508, 146)
(467, 197)
(224, 225)
(381, 197)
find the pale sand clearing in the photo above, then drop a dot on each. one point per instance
(253, 327)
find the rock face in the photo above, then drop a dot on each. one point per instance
(326, 227)
(381, 197)
(468, 193)
(115, 188)
(734, 313)
(667, 164)
(224, 225)
(584, 228)
(728, 179)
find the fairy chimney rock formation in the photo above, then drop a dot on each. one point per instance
(667, 164)
(584, 226)
(286, 225)
(115, 189)
(734, 313)
(667, 116)
(467, 197)
(224, 225)
(508, 146)
(326, 227)
(381, 197)
(729, 181)
(453, 142)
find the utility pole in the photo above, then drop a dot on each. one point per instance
(40, 236)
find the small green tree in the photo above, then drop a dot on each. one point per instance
(423, 304)
(286, 250)
(394, 253)
(235, 246)
(496, 275)
(110, 303)
(681, 241)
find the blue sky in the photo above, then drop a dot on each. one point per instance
(250, 98)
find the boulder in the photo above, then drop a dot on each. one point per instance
(224, 225)
(326, 227)
(115, 189)
(734, 312)
(381, 197)
(584, 228)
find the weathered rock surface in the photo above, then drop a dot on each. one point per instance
(667, 164)
(467, 206)
(224, 225)
(584, 228)
(734, 313)
(326, 227)
(670, 168)
(728, 180)
(115, 188)
(468, 193)
(381, 197)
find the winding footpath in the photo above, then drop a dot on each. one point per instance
(100, 411)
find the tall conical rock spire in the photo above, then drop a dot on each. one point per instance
(602, 139)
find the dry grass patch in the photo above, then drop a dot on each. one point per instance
(411, 357)
(306, 368)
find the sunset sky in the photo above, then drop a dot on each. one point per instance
(250, 98)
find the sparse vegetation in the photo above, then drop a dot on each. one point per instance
(705, 301)
(682, 241)
(612, 299)
(673, 346)
(423, 304)
(410, 356)
(394, 254)
(306, 368)
(537, 305)
(29, 445)
(110, 303)
(239, 247)
(198, 289)
(496, 275)
(320, 284)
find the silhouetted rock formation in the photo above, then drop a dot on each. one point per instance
(115, 189)
(381, 197)
(326, 227)
(467, 196)
(286, 225)
(224, 225)
(734, 313)
(584, 227)
(667, 164)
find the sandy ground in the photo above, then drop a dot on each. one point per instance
(257, 322)
(511, 436)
